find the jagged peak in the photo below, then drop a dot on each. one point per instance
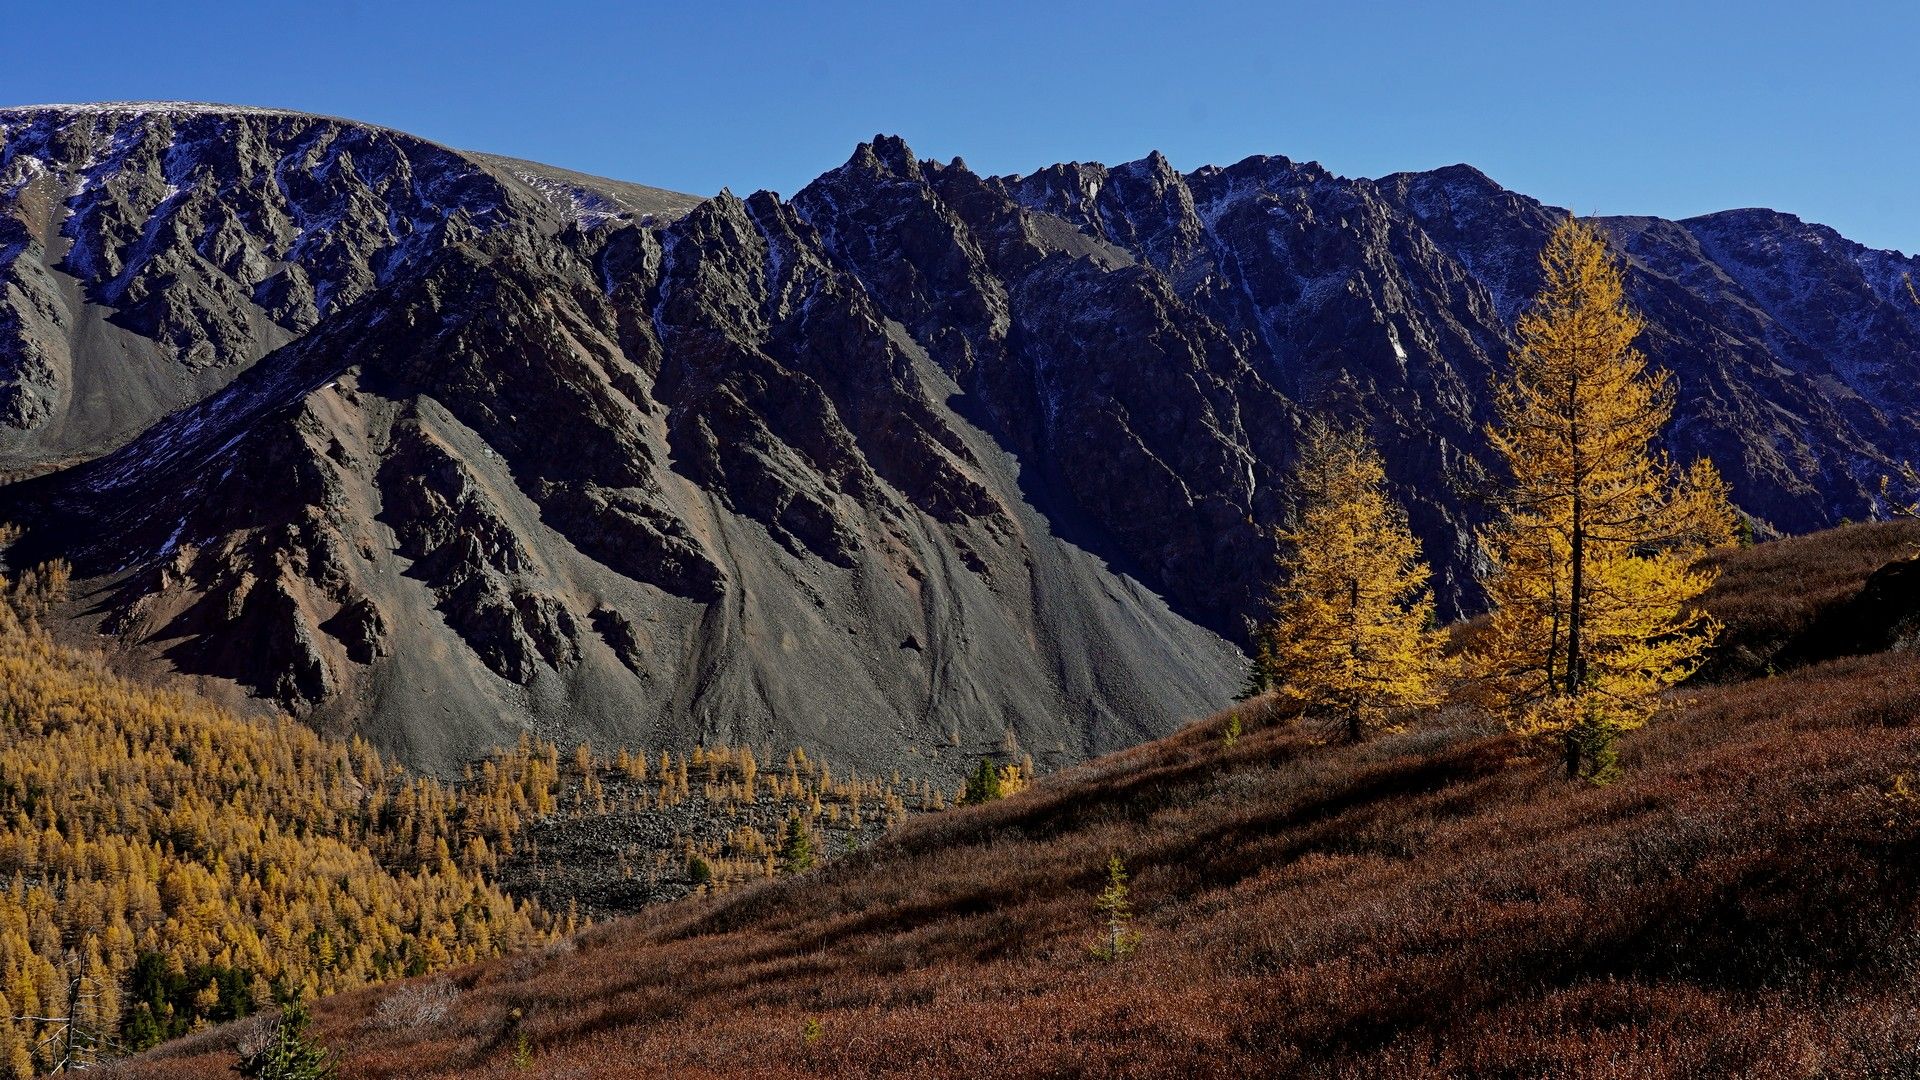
(885, 155)
(1267, 167)
(1155, 161)
(1214, 185)
(1154, 167)
(1069, 188)
(724, 210)
(894, 150)
(1070, 173)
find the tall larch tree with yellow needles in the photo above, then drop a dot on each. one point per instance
(1595, 554)
(1351, 636)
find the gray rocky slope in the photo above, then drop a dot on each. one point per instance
(437, 446)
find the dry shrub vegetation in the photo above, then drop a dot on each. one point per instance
(1436, 902)
(1770, 594)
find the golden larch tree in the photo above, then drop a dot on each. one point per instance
(1596, 549)
(1351, 637)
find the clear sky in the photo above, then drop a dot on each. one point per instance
(1669, 108)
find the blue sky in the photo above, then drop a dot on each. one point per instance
(1668, 108)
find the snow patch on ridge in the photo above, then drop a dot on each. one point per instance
(590, 209)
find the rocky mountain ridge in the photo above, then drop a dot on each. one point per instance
(437, 446)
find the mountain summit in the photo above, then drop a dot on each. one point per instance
(437, 446)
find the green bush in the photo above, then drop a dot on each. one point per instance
(288, 1052)
(699, 871)
(983, 786)
(796, 850)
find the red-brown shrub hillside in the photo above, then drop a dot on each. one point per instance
(1770, 595)
(1438, 902)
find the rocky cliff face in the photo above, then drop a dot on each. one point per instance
(437, 446)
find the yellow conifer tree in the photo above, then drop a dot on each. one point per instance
(1595, 552)
(16, 1059)
(1351, 636)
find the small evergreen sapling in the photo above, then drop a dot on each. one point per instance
(288, 1052)
(983, 786)
(1260, 669)
(796, 850)
(1115, 905)
(522, 1059)
(699, 870)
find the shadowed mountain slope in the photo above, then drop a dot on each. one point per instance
(439, 446)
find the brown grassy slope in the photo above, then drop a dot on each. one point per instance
(1772, 593)
(1744, 902)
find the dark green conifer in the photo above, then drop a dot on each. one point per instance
(796, 850)
(983, 786)
(289, 1053)
(1260, 678)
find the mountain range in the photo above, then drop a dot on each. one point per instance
(438, 447)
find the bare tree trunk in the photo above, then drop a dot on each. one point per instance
(1576, 662)
(1353, 649)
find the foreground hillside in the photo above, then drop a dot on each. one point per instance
(1745, 901)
